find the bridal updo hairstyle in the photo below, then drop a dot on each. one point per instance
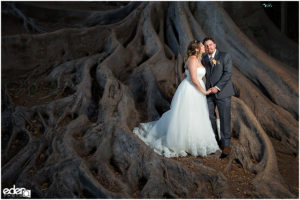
(194, 50)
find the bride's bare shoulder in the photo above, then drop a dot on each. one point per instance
(191, 59)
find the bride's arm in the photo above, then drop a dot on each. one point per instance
(192, 66)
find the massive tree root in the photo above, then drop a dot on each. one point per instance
(119, 68)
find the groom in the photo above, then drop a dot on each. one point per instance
(218, 78)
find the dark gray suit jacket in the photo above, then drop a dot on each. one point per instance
(220, 74)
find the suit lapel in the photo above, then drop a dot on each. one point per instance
(209, 61)
(217, 56)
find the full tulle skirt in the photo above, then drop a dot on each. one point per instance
(185, 128)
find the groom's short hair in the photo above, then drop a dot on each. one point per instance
(208, 38)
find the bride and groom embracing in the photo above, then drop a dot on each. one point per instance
(190, 125)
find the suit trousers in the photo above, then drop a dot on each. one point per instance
(224, 106)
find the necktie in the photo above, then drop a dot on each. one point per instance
(210, 60)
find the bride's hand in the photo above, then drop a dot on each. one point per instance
(208, 92)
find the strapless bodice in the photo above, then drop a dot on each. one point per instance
(200, 73)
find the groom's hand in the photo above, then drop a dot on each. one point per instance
(214, 90)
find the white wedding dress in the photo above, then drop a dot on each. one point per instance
(186, 127)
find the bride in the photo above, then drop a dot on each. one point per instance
(186, 127)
